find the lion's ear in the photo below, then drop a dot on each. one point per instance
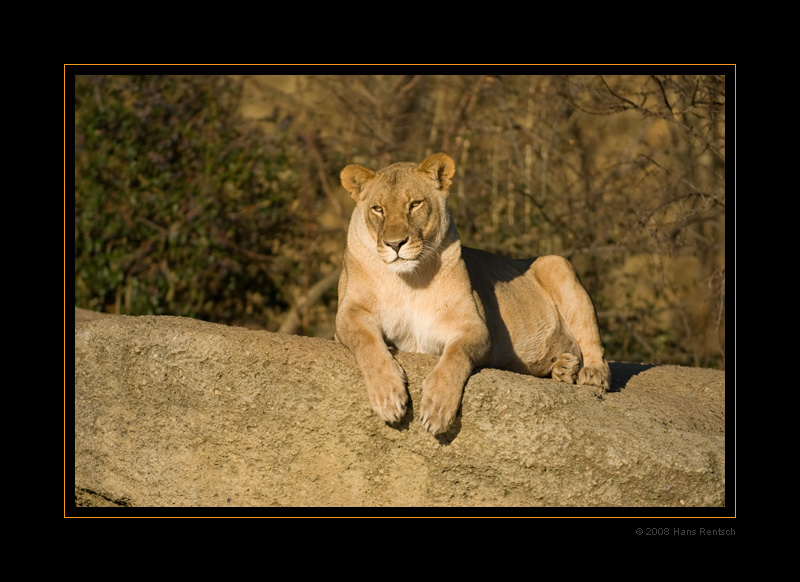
(354, 177)
(440, 167)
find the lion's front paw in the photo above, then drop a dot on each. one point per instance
(597, 376)
(565, 368)
(439, 406)
(389, 403)
(387, 394)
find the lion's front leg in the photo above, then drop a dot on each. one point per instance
(384, 378)
(443, 388)
(441, 397)
(386, 388)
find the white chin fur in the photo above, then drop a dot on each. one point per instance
(404, 266)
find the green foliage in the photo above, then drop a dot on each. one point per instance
(178, 209)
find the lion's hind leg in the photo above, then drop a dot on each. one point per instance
(596, 375)
(566, 368)
(558, 278)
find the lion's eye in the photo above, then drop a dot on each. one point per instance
(416, 204)
(377, 209)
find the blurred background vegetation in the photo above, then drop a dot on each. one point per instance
(218, 197)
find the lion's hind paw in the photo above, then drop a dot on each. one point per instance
(565, 368)
(597, 376)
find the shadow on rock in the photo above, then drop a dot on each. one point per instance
(621, 372)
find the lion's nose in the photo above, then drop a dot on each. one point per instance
(395, 244)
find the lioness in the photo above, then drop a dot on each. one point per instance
(408, 282)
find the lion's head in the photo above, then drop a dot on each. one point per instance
(404, 208)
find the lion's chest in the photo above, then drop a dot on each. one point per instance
(414, 323)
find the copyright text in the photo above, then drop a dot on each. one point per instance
(676, 531)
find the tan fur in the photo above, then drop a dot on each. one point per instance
(408, 282)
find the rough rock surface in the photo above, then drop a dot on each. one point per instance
(178, 412)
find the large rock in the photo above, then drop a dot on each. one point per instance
(178, 412)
